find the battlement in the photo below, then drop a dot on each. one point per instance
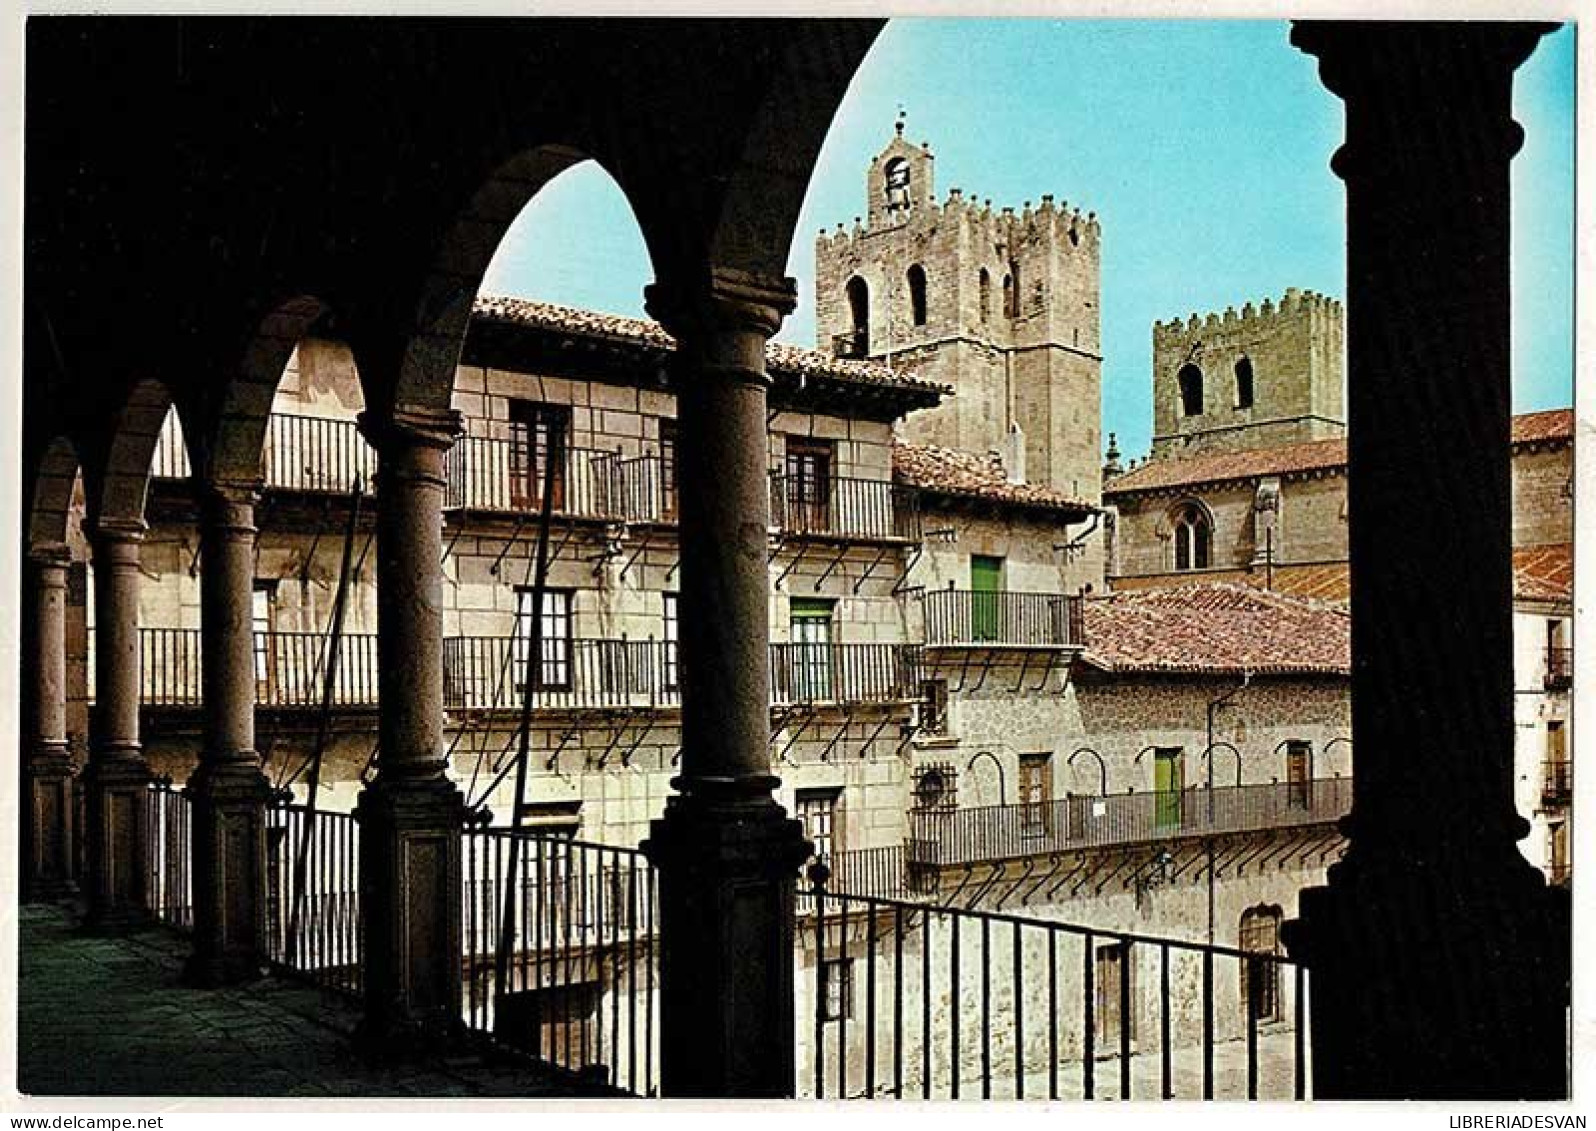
(1002, 225)
(1294, 304)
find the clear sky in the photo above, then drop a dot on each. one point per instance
(1203, 147)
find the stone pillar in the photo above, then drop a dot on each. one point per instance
(228, 790)
(1439, 959)
(727, 853)
(47, 792)
(116, 779)
(411, 815)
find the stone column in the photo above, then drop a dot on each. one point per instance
(411, 815)
(115, 781)
(228, 790)
(1439, 959)
(727, 853)
(47, 813)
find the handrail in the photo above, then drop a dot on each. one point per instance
(978, 618)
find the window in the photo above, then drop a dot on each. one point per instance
(554, 673)
(672, 631)
(1113, 981)
(836, 989)
(808, 675)
(985, 286)
(1260, 981)
(917, 294)
(263, 617)
(670, 494)
(1036, 793)
(857, 341)
(1169, 782)
(808, 496)
(1559, 656)
(897, 184)
(1244, 383)
(934, 706)
(936, 787)
(1193, 537)
(818, 810)
(1299, 774)
(1190, 380)
(539, 439)
(1011, 290)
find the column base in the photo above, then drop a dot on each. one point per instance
(728, 872)
(117, 879)
(47, 826)
(1431, 984)
(229, 873)
(410, 888)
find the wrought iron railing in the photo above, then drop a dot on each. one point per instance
(1559, 667)
(842, 507)
(488, 474)
(301, 453)
(904, 1000)
(973, 618)
(168, 854)
(1557, 781)
(562, 954)
(313, 905)
(1000, 832)
(844, 673)
(490, 672)
(290, 668)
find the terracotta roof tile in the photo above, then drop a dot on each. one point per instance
(1544, 573)
(1314, 455)
(961, 474)
(1216, 627)
(647, 333)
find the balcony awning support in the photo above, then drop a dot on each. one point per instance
(864, 750)
(1019, 882)
(881, 555)
(842, 732)
(792, 562)
(1055, 861)
(831, 566)
(1066, 877)
(642, 545)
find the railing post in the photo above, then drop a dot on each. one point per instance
(229, 791)
(727, 853)
(47, 871)
(1439, 959)
(411, 814)
(116, 839)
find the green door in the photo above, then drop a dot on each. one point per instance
(986, 601)
(811, 637)
(1169, 779)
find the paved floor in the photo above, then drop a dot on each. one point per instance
(108, 1016)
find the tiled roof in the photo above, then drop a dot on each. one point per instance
(1216, 627)
(649, 334)
(966, 475)
(1314, 455)
(1544, 573)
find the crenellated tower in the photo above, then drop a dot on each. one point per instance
(1268, 375)
(1002, 305)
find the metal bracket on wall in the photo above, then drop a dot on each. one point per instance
(642, 545)
(831, 566)
(881, 556)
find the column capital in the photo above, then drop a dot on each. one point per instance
(1361, 58)
(726, 301)
(115, 531)
(50, 555)
(412, 426)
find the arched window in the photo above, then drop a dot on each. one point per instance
(1190, 379)
(1243, 383)
(986, 294)
(1193, 537)
(1011, 293)
(1260, 981)
(858, 343)
(1008, 296)
(917, 294)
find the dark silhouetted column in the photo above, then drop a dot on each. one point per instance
(727, 853)
(115, 780)
(411, 814)
(228, 790)
(47, 796)
(1438, 957)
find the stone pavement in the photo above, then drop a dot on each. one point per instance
(109, 1016)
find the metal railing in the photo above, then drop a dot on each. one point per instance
(903, 1000)
(313, 905)
(490, 671)
(842, 507)
(970, 618)
(1559, 667)
(289, 669)
(168, 854)
(844, 673)
(1557, 781)
(566, 969)
(1001, 832)
(484, 473)
(301, 453)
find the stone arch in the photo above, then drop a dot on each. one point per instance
(1244, 382)
(917, 295)
(1191, 527)
(858, 292)
(984, 283)
(1189, 387)
(116, 484)
(54, 480)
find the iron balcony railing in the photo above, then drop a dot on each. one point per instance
(289, 669)
(1001, 832)
(903, 1000)
(963, 618)
(841, 507)
(844, 673)
(487, 474)
(1557, 781)
(313, 905)
(302, 453)
(1559, 667)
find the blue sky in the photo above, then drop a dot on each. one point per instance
(1203, 147)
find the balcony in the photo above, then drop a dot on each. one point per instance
(844, 673)
(1559, 668)
(313, 454)
(1004, 832)
(1557, 781)
(962, 618)
(843, 508)
(486, 474)
(289, 669)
